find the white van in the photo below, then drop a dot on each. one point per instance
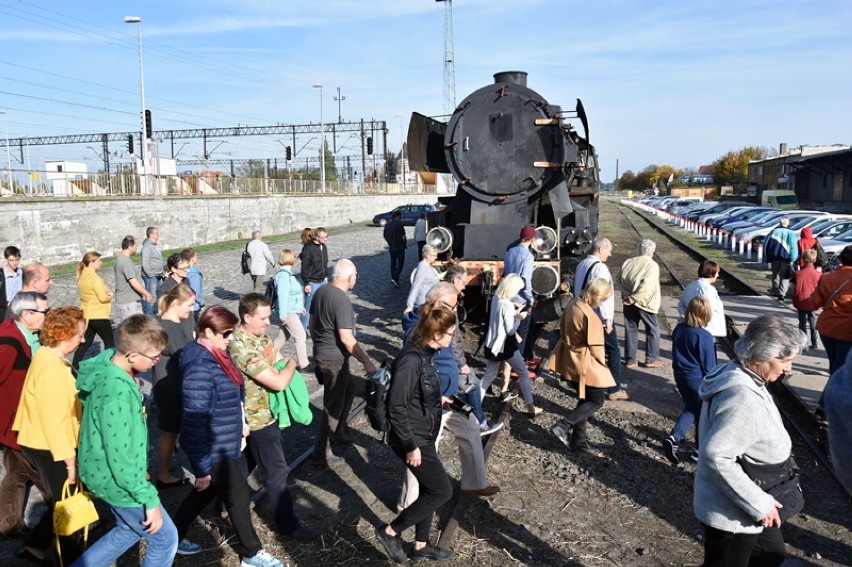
(779, 199)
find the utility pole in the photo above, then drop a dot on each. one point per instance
(339, 98)
(449, 59)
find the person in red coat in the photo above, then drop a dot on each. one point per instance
(807, 279)
(18, 343)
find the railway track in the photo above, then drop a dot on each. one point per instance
(797, 417)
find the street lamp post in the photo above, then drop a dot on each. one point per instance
(138, 21)
(322, 142)
(401, 153)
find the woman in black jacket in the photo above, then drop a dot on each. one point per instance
(414, 411)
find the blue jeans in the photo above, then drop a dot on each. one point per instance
(612, 352)
(308, 299)
(151, 285)
(836, 350)
(397, 262)
(128, 529)
(688, 388)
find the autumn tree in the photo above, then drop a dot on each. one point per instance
(732, 168)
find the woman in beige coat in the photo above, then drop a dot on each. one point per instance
(579, 357)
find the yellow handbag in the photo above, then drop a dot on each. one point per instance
(76, 511)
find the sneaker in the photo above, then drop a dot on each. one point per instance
(631, 364)
(186, 547)
(535, 412)
(489, 427)
(432, 553)
(392, 545)
(654, 363)
(508, 396)
(560, 429)
(670, 449)
(694, 456)
(618, 396)
(261, 559)
(486, 491)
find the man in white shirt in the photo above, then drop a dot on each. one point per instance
(591, 267)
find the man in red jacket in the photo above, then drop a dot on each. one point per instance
(18, 344)
(807, 279)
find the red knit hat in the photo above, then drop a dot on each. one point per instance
(528, 233)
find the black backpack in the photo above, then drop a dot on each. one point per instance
(822, 256)
(377, 399)
(272, 294)
(245, 261)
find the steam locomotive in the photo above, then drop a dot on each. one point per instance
(516, 162)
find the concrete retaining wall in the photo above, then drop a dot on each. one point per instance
(58, 231)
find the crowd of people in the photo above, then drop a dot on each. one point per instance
(224, 389)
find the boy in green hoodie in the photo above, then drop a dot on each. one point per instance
(113, 447)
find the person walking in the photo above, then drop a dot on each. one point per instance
(12, 278)
(781, 250)
(291, 308)
(48, 422)
(314, 272)
(261, 258)
(424, 277)
(195, 279)
(708, 273)
(177, 270)
(420, 230)
(414, 412)
(807, 280)
(519, 260)
(212, 435)
(640, 293)
(332, 330)
(130, 292)
(593, 267)
(95, 301)
(579, 357)
(152, 267)
(113, 453)
(394, 235)
(740, 426)
(693, 357)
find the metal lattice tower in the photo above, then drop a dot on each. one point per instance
(449, 59)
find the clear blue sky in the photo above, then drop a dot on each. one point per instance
(662, 81)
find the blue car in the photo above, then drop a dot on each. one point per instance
(410, 214)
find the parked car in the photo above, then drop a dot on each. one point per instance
(717, 207)
(829, 228)
(410, 214)
(740, 216)
(797, 223)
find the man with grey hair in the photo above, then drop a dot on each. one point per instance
(782, 251)
(593, 267)
(332, 328)
(152, 267)
(639, 281)
(261, 258)
(18, 344)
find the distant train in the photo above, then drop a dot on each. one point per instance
(516, 162)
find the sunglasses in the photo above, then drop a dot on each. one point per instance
(42, 311)
(227, 334)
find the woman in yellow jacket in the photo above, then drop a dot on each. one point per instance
(95, 301)
(48, 420)
(579, 357)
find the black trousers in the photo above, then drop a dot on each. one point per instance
(100, 327)
(53, 475)
(338, 394)
(612, 352)
(724, 549)
(268, 454)
(435, 489)
(579, 416)
(229, 482)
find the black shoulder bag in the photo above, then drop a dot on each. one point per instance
(781, 482)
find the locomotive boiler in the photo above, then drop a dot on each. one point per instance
(515, 160)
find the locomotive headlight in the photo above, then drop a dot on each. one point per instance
(440, 238)
(545, 240)
(545, 279)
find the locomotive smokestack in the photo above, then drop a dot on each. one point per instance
(511, 77)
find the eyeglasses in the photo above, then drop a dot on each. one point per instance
(42, 311)
(181, 268)
(153, 359)
(450, 306)
(227, 334)
(453, 334)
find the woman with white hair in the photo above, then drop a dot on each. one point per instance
(502, 340)
(743, 446)
(423, 278)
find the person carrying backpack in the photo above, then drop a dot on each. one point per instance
(290, 304)
(808, 241)
(414, 410)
